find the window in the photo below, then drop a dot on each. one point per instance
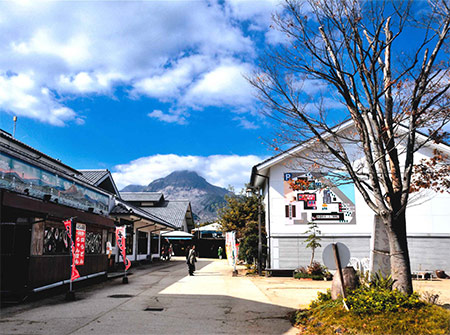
(129, 240)
(290, 211)
(154, 244)
(56, 240)
(142, 242)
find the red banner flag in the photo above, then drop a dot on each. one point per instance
(80, 242)
(68, 225)
(120, 238)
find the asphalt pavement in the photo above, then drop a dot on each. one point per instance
(157, 300)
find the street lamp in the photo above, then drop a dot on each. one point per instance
(256, 190)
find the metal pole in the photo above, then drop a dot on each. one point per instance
(259, 235)
(71, 267)
(14, 130)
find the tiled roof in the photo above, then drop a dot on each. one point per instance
(141, 196)
(119, 208)
(173, 211)
(124, 208)
(93, 176)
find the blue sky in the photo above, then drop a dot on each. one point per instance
(140, 88)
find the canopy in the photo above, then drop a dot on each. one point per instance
(182, 235)
(210, 227)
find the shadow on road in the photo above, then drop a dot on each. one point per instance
(160, 299)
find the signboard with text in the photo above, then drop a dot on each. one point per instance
(80, 244)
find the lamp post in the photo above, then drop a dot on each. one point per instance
(256, 190)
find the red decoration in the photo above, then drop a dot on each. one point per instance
(68, 225)
(120, 238)
(80, 242)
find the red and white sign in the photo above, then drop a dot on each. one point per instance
(80, 244)
(120, 238)
(68, 225)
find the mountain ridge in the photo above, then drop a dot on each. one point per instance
(205, 198)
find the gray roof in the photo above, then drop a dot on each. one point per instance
(173, 211)
(123, 208)
(100, 178)
(142, 196)
(93, 176)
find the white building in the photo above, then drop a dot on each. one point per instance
(342, 214)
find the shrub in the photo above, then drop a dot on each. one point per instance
(380, 282)
(315, 271)
(372, 300)
(301, 275)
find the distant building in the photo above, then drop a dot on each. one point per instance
(176, 212)
(143, 240)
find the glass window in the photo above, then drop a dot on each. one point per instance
(142, 242)
(56, 240)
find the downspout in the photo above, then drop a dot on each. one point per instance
(268, 218)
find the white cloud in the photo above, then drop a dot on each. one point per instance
(20, 95)
(154, 48)
(246, 124)
(178, 117)
(170, 82)
(223, 85)
(85, 83)
(220, 170)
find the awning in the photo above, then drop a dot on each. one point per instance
(210, 227)
(177, 235)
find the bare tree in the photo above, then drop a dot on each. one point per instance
(385, 66)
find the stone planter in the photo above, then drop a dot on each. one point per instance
(350, 282)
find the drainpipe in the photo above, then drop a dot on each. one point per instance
(267, 218)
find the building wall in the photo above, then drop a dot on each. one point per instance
(427, 215)
(291, 252)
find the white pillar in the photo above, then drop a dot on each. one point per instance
(134, 243)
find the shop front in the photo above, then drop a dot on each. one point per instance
(37, 193)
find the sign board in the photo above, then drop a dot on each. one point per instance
(328, 255)
(317, 198)
(80, 243)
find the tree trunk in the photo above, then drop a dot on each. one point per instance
(312, 257)
(399, 256)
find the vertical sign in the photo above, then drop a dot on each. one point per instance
(120, 238)
(80, 243)
(74, 273)
(231, 249)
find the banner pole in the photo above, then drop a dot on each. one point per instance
(70, 296)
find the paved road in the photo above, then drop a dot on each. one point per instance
(162, 300)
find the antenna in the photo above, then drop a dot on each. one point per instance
(15, 121)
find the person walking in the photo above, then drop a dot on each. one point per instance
(220, 252)
(191, 259)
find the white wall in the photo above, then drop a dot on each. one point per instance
(427, 213)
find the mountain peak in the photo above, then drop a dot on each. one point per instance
(187, 184)
(181, 179)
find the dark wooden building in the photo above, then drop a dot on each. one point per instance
(37, 193)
